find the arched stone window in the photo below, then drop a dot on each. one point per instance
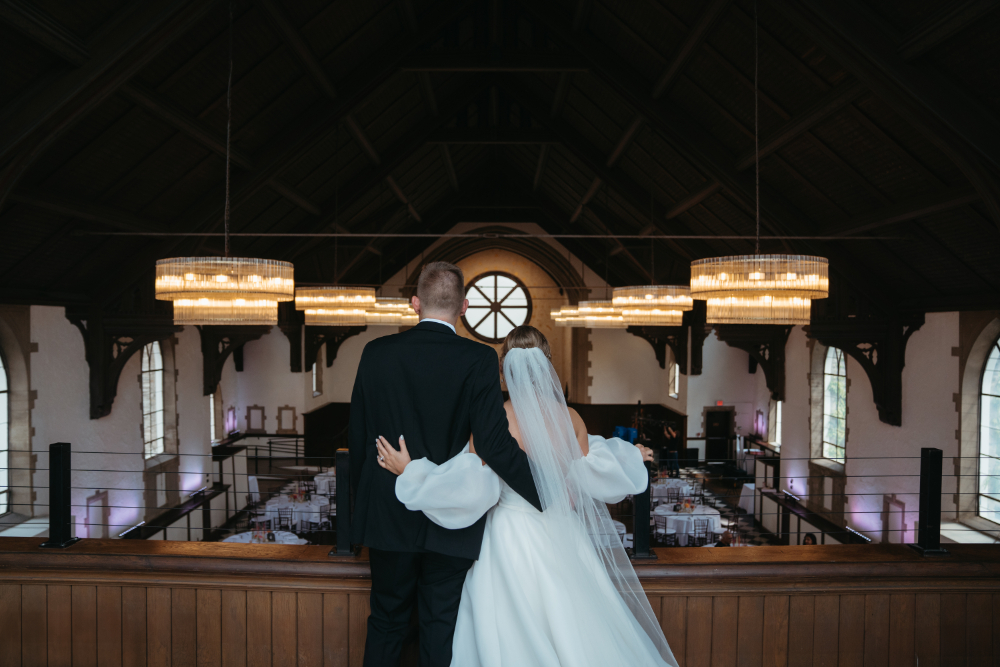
(834, 405)
(4, 438)
(498, 302)
(989, 438)
(152, 400)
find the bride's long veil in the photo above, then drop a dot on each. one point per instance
(570, 508)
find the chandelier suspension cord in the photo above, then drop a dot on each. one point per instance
(756, 130)
(652, 249)
(229, 122)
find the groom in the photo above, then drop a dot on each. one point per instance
(436, 388)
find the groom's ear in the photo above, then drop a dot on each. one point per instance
(465, 307)
(415, 302)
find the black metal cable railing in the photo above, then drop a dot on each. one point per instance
(313, 515)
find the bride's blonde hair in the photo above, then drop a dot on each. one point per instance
(527, 337)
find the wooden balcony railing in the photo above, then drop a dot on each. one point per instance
(124, 602)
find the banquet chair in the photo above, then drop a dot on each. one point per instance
(673, 496)
(663, 535)
(284, 518)
(241, 524)
(699, 534)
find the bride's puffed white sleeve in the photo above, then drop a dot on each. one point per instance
(611, 470)
(454, 494)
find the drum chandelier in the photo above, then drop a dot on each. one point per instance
(390, 311)
(600, 315)
(335, 306)
(759, 289)
(567, 316)
(652, 305)
(225, 290)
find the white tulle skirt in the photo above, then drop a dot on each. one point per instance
(521, 604)
(539, 594)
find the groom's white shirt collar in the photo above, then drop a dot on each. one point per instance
(447, 324)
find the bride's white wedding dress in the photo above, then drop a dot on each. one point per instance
(554, 587)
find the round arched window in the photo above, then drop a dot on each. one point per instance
(498, 302)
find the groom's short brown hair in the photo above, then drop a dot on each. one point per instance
(441, 288)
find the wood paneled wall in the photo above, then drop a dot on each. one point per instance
(105, 626)
(129, 603)
(858, 630)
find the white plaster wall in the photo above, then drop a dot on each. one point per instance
(725, 377)
(881, 459)
(194, 440)
(795, 414)
(624, 370)
(267, 379)
(60, 375)
(884, 459)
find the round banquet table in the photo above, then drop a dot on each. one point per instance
(325, 484)
(683, 522)
(659, 489)
(280, 537)
(301, 511)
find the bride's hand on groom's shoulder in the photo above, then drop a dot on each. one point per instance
(389, 458)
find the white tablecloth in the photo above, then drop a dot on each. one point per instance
(683, 522)
(659, 489)
(280, 537)
(301, 512)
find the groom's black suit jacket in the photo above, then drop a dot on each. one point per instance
(434, 388)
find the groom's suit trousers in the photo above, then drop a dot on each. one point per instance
(399, 578)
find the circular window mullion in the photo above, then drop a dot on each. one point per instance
(491, 328)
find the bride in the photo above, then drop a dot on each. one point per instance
(549, 588)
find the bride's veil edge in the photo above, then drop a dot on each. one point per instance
(551, 445)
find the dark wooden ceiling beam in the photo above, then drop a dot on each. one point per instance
(293, 38)
(956, 123)
(366, 180)
(637, 196)
(511, 61)
(709, 17)
(101, 213)
(543, 157)
(193, 127)
(832, 102)
(491, 135)
(45, 30)
(916, 207)
(294, 141)
(430, 101)
(362, 138)
(951, 19)
(698, 146)
(143, 33)
(200, 132)
(693, 199)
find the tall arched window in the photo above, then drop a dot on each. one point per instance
(834, 405)
(989, 438)
(152, 400)
(4, 439)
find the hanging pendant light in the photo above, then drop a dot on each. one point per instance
(389, 311)
(335, 306)
(760, 289)
(600, 315)
(225, 290)
(652, 305)
(566, 316)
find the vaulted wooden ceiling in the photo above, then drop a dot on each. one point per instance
(627, 117)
